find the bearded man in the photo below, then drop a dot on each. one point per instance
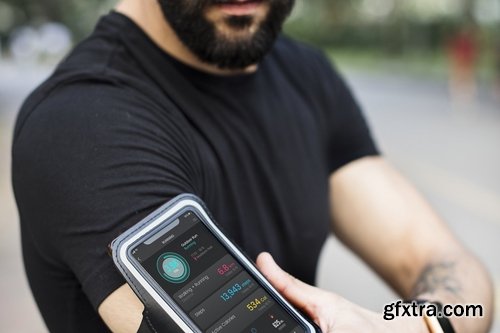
(207, 97)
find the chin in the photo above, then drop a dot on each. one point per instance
(238, 29)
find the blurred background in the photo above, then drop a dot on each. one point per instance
(427, 73)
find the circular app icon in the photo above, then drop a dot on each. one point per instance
(172, 267)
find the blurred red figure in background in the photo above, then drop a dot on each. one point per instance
(463, 53)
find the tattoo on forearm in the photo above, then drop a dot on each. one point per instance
(439, 276)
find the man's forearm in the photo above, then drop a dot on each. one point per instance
(458, 279)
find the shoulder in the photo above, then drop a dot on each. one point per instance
(286, 44)
(303, 57)
(76, 103)
(98, 78)
(309, 69)
(73, 105)
(305, 66)
(85, 127)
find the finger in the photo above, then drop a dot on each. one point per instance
(299, 293)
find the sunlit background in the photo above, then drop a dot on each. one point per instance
(427, 73)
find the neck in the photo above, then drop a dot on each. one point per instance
(148, 15)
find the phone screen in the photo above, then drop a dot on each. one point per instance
(201, 276)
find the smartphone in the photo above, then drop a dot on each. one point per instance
(202, 280)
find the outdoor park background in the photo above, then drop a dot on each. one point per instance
(426, 72)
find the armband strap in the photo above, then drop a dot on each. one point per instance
(146, 324)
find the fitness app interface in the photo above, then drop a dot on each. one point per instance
(215, 291)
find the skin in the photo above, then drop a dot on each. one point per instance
(331, 312)
(384, 220)
(375, 212)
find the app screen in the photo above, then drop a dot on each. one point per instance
(190, 264)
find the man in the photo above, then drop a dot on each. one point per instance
(204, 96)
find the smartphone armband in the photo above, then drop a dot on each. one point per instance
(193, 279)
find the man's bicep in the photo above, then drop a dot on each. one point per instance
(86, 169)
(381, 217)
(122, 310)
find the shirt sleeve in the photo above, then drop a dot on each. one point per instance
(89, 162)
(346, 131)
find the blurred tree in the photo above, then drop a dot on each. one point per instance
(390, 25)
(468, 11)
(79, 16)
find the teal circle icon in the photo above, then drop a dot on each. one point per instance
(172, 267)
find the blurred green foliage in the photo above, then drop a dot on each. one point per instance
(393, 26)
(79, 16)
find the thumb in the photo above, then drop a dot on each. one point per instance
(297, 292)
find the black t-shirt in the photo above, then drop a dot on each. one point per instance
(121, 127)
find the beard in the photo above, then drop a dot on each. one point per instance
(246, 47)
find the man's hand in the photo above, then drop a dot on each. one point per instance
(331, 312)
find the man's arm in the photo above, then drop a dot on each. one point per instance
(122, 311)
(384, 220)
